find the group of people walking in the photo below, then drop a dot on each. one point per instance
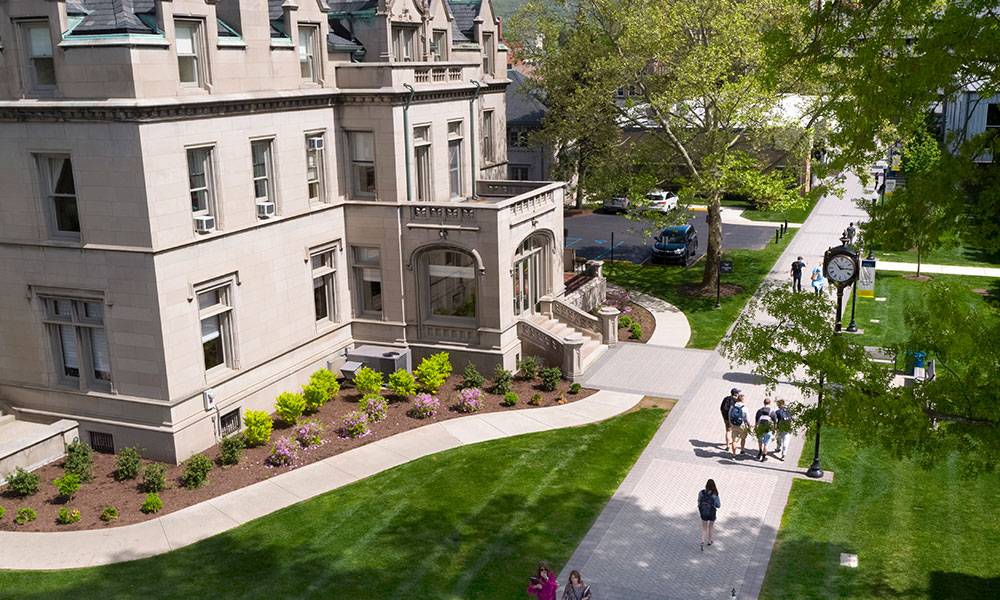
(544, 585)
(767, 422)
(816, 279)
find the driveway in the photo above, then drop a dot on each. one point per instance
(590, 236)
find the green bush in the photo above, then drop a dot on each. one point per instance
(575, 388)
(152, 504)
(509, 399)
(196, 471)
(432, 372)
(68, 516)
(624, 322)
(127, 463)
(110, 513)
(502, 380)
(231, 450)
(290, 406)
(22, 483)
(3, 511)
(368, 381)
(472, 378)
(528, 367)
(635, 330)
(536, 400)
(25, 515)
(80, 460)
(402, 383)
(550, 378)
(154, 478)
(314, 396)
(327, 381)
(258, 426)
(68, 485)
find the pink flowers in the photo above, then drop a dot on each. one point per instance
(470, 400)
(424, 406)
(309, 433)
(356, 425)
(282, 453)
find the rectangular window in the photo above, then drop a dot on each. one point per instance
(324, 276)
(404, 39)
(190, 56)
(517, 137)
(315, 166)
(59, 187)
(362, 146)
(38, 48)
(263, 171)
(215, 313)
(993, 115)
(102, 442)
(422, 162)
(488, 53)
(229, 423)
(520, 172)
(200, 182)
(489, 152)
(307, 53)
(80, 342)
(455, 159)
(368, 279)
(439, 45)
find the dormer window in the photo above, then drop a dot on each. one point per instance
(38, 48)
(190, 54)
(488, 53)
(404, 43)
(439, 45)
(308, 52)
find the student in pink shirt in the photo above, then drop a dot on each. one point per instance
(544, 585)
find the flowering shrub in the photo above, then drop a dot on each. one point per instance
(356, 425)
(309, 433)
(374, 407)
(258, 428)
(290, 406)
(425, 406)
(282, 453)
(68, 516)
(470, 400)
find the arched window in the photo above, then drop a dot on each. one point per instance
(450, 286)
(530, 273)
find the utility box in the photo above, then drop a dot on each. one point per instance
(384, 359)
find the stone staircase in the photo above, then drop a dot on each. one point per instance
(592, 347)
(30, 445)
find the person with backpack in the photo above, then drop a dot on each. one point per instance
(738, 426)
(708, 505)
(763, 428)
(783, 423)
(797, 267)
(725, 407)
(576, 589)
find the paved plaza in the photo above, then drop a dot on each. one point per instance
(645, 544)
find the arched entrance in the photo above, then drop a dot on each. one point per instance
(531, 273)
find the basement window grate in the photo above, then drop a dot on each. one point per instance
(102, 442)
(230, 422)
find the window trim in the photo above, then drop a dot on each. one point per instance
(489, 53)
(425, 146)
(24, 27)
(329, 274)
(47, 188)
(315, 56)
(488, 135)
(270, 173)
(459, 139)
(357, 270)
(526, 169)
(439, 53)
(402, 27)
(82, 328)
(225, 311)
(210, 187)
(426, 309)
(996, 110)
(320, 167)
(353, 164)
(199, 45)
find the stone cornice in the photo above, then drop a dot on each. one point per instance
(81, 110)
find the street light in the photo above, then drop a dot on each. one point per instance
(815, 471)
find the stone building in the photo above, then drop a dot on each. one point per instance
(203, 201)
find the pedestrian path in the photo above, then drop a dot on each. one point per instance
(734, 216)
(645, 544)
(672, 327)
(71, 549)
(938, 269)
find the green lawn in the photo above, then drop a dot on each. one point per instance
(794, 215)
(899, 291)
(946, 255)
(468, 523)
(708, 324)
(918, 533)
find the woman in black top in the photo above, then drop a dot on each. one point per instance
(576, 589)
(708, 504)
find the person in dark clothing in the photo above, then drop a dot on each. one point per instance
(850, 232)
(708, 505)
(764, 428)
(782, 422)
(797, 267)
(727, 405)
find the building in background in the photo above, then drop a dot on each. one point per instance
(529, 160)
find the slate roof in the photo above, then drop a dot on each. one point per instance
(465, 13)
(523, 107)
(351, 6)
(340, 38)
(112, 16)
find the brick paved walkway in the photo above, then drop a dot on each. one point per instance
(645, 544)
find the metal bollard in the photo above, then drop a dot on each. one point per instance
(777, 235)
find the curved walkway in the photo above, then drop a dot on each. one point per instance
(672, 327)
(72, 549)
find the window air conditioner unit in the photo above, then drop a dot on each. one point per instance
(265, 210)
(316, 143)
(204, 223)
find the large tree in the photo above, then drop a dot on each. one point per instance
(678, 90)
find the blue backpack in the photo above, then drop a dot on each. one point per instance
(736, 416)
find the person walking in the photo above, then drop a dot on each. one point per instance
(850, 232)
(783, 423)
(738, 426)
(576, 589)
(708, 505)
(763, 428)
(544, 584)
(725, 407)
(818, 281)
(797, 268)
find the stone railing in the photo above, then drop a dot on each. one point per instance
(445, 333)
(571, 315)
(566, 352)
(363, 76)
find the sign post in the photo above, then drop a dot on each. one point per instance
(725, 266)
(866, 278)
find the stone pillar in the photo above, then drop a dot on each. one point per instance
(545, 305)
(594, 267)
(572, 356)
(609, 325)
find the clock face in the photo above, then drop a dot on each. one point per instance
(840, 268)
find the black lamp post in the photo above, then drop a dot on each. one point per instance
(815, 471)
(852, 327)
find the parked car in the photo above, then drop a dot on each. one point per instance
(676, 244)
(618, 204)
(661, 201)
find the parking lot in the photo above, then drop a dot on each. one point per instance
(591, 234)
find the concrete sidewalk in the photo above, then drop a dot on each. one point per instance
(645, 544)
(71, 549)
(672, 327)
(938, 269)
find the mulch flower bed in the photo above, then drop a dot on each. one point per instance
(104, 491)
(643, 317)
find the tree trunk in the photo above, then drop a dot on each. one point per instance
(713, 252)
(918, 261)
(807, 184)
(580, 170)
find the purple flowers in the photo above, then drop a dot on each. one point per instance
(424, 406)
(374, 407)
(282, 453)
(356, 425)
(309, 433)
(470, 400)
